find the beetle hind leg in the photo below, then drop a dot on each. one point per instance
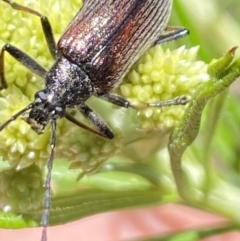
(171, 34)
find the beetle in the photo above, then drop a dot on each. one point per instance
(93, 55)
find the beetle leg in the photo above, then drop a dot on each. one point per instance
(46, 26)
(171, 34)
(22, 58)
(80, 124)
(181, 100)
(103, 129)
(115, 99)
(120, 101)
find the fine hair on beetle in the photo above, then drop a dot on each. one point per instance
(89, 61)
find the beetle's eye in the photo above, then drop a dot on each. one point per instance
(60, 111)
(42, 94)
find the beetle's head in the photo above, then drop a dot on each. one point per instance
(42, 110)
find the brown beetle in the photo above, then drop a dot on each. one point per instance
(93, 55)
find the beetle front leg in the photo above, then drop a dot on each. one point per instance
(96, 120)
(46, 26)
(70, 117)
(23, 59)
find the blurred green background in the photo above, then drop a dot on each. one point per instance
(214, 25)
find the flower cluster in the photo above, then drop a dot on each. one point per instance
(163, 75)
(158, 75)
(21, 191)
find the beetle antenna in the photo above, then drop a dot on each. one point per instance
(14, 117)
(47, 196)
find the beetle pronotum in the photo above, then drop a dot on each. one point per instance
(93, 55)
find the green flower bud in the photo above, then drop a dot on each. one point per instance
(22, 190)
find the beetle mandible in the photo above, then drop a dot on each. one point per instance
(91, 58)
